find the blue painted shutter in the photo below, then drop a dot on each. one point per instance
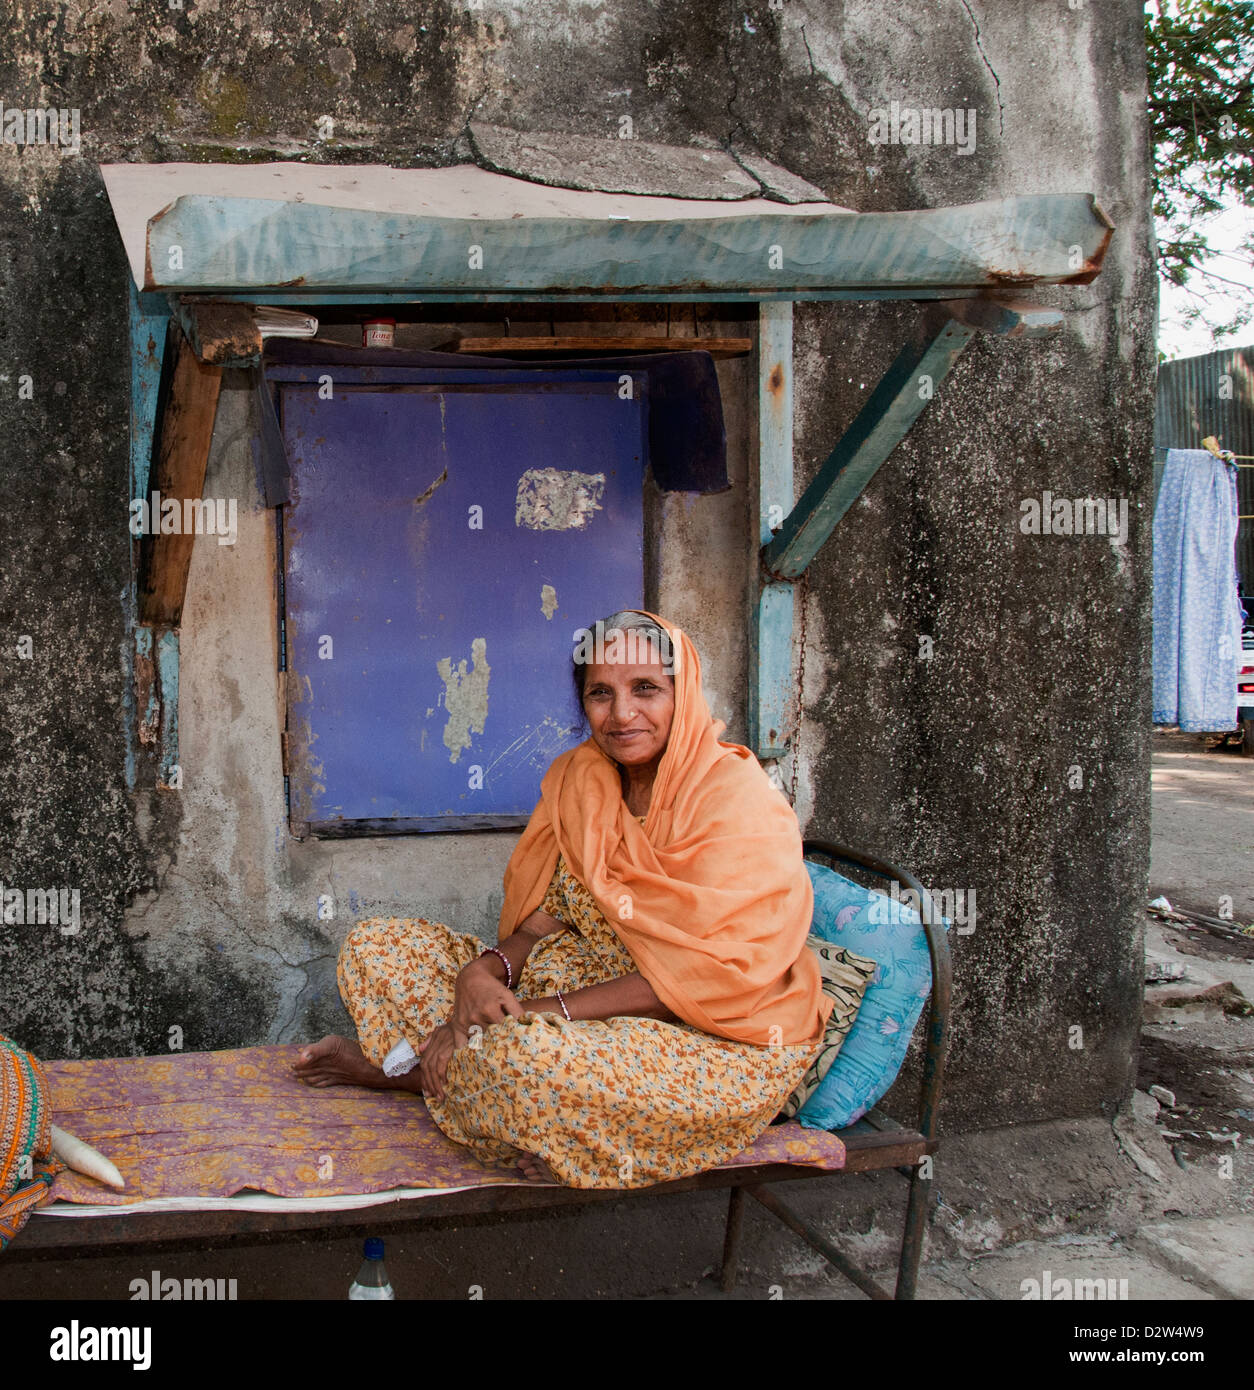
(428, 688)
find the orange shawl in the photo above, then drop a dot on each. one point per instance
(710, 895)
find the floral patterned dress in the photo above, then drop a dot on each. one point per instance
(622, 1102)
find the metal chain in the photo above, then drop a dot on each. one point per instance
(800, 593)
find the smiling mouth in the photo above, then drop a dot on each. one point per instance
(629, 733)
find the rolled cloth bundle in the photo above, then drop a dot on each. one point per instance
(710, 896)
(27, 1163)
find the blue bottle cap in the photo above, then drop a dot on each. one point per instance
(374, 1248)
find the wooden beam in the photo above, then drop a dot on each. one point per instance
(508, 347)
(127, 1227)
(221, 331)
(770, 628)
(186, 430)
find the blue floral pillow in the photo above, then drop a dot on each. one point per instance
(891, 934)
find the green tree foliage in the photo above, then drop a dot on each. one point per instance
(1201, 110)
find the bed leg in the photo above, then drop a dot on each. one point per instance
(731, 1240)
(912, 1239)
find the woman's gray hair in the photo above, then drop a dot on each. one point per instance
(590, 643)
(627, 620)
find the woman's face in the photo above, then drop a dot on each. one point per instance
(630, 708)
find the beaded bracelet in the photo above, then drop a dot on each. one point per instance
(558, 995)
(509, 969)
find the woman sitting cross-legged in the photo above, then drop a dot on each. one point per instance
(651, 1003)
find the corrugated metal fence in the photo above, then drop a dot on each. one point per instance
(1211, 394)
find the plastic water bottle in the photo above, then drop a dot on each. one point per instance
(372, 1278)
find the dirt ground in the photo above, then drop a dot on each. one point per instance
(1198, 1038)
(1202, 845)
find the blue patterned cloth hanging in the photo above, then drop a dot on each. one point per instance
(1197, 615)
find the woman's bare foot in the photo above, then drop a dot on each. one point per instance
(337, 1061)
(535, 1168)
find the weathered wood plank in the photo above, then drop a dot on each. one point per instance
(149, 322)
(222, 331)
(897, 1151)
(866, 1152)
(156, 698)
(211, 243)
(771, 696)
(167, 655)
(716, 347)
(376, 300)
(186, 430)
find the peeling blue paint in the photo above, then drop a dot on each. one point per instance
(148, 317)
(770, 723)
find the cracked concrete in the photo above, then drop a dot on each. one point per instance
(1001, 110)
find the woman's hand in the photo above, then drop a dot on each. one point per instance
(480, 999)
(433, 1060)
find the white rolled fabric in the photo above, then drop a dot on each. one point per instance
(400, 1060)
(84, 1159)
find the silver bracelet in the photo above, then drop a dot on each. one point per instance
(557, 993)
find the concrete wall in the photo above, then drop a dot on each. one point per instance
(197, 910)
